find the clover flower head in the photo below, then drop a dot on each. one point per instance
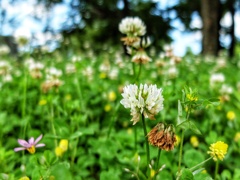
(141, 57)
(162, 136)
(146, 100)
(218, 150)
(132, 26)
(30, 145)
(217, 78)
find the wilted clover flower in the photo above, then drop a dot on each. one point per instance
(218, 150)
(146, 100)
(141, 57)
(162, 136)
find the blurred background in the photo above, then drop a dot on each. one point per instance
(199, 26)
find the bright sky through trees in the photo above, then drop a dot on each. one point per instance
(23, 12)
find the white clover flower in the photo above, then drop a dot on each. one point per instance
(35, 66)
(146, 100)
(132, 26)
(217, 78)
(54, 72)
(141, 57)
(70, 68)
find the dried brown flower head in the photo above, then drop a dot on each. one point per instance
(162, 136)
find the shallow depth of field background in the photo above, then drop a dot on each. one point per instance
(79, 42)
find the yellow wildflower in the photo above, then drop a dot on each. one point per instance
(152, 173)
(107, 107)
(68, 97)
(194, 141)
(64, 144)
(24, 178)
(102, 75)
(178, 140)
(63, 147)
(58, 151)
(218, 150)
(237, 137)
(231, 115)
(192, 97)
(112, 96)
(42, 102)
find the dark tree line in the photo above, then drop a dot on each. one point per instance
(99, 20)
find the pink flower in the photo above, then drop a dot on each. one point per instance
(30, 145)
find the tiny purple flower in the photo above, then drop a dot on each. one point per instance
(30, 145)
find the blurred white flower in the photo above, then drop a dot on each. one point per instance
(70, 68)
(146, 100)
(226, 89)
(53, 73)
(4, 49)
(88, 72)
(172, 71)
(5, 67)
(132, 26)
(141, 57)
(35, 69)
(216, 79)
(76, 59)
(113, 74)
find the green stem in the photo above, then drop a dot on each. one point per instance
(133, 68)
(180, 152)
(52, 124)
(135, 139)
(216, 170)
(146, 140)
(158, 158)
(79, 90)
(139, 72)
(113, 120)
(24, 103)
(200, 164)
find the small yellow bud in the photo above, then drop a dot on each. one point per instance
(194, 141)
(112, 96)
(68, 97)
(237, 137)
(58, 151)
(102, 75)
(64, 144)
(42, 102)
(231, 115)
(178, 140)
(152, 173)
(107, 107)
(24, 178)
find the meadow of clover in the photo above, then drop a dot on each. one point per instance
(142, 114)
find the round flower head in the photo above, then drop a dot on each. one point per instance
(218, 150)
(146, 100)
(132, 26)
(162, 136)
